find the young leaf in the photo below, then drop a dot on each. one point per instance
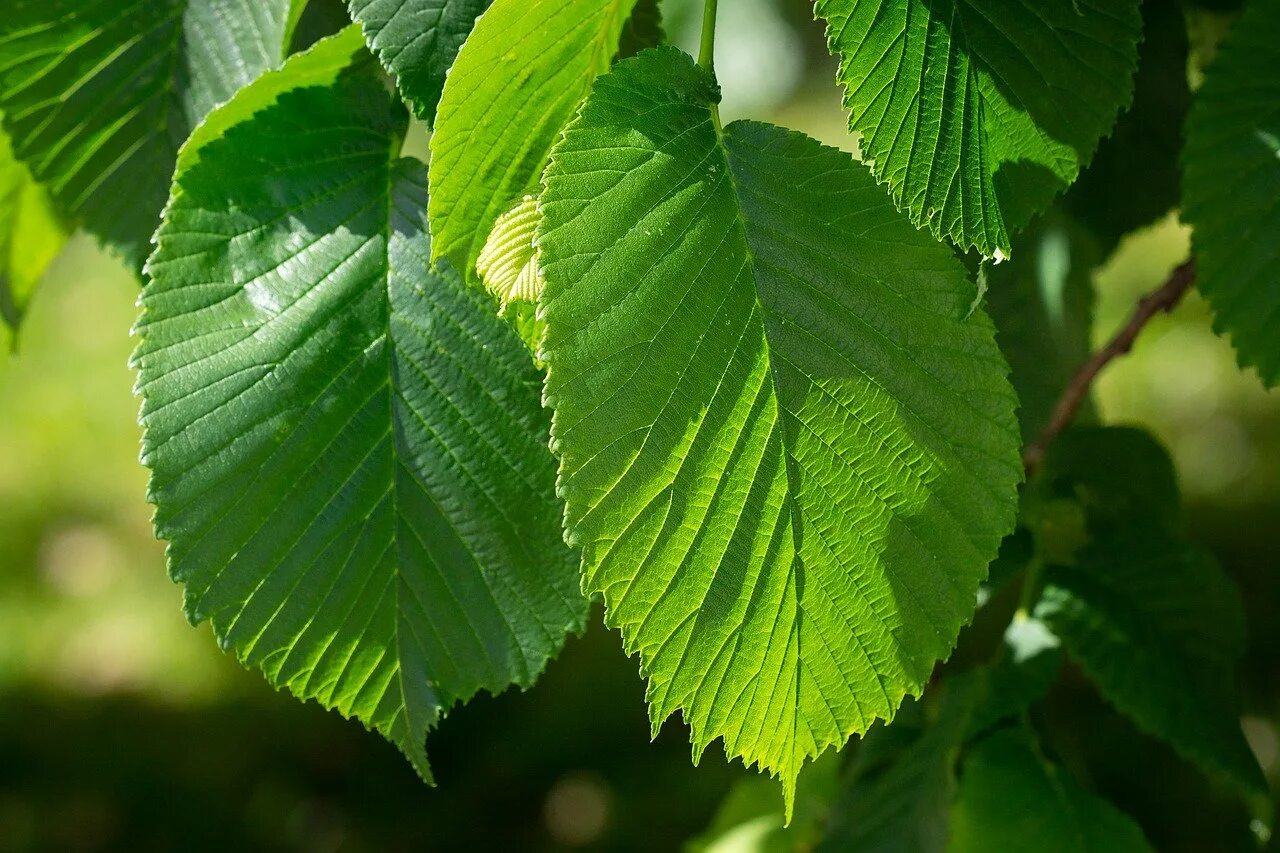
(507, 264)
(417, 41)
(1010, 798)
(1231, 188)
(31, 235)
(977, 112)
(788, 449)
(518, 80)
(347, 449)
(98, 95)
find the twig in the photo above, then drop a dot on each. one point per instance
(1161, 300)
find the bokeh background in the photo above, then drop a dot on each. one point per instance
(123, 727)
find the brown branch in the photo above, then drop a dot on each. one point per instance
(1161, 300)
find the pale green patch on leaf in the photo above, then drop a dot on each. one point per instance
(31, 235)
(508, 263)
(1011, 798)
(98, 95)
(347, 447)
(417, 41)
(788, 448)
(977, 112)
(518, 80)
(1231, 188)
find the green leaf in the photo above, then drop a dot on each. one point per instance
(417, 41)
(1160, 629)
(977, 112)
(508, 264)
(788, 449)
(1010, 798)
(899, 796)
(1135, 177)
(31, 235)
(643, 29)
(347, 447)
(98, 95)
(1152, 619)
(518, 80)
(1231, 188)
(1042, 304)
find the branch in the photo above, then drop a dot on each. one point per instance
(1161, 300)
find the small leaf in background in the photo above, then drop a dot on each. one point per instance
(977, 113)
(98, 95)
(898, 796)
(348, 451)
(507, 264)
(788, 448)
(1231, 187)
(31, 235)
(1011, 798)
(1152, 619)
(517, 81)
(417, 41)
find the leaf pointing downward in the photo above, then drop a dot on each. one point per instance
(787, 451)
(348, 453)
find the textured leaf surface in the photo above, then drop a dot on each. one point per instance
(417, 41)
(1010, 798)
(1231, 188)
(525, 69)
(788, 450)
(99, 94)
(1153, 620)
(348, 451)
(977, 112)
(31, 235)
(507, 263)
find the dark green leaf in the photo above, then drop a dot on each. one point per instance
(348, 451)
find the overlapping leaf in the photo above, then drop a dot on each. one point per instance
(417, 41)
(1010, 798)
(31, 234)
(98, 95)
(1231, 187)
(977, 112)
(787, 448)
(348, 451)
(525, 69)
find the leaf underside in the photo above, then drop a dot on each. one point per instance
(347, 448)
(1231, 188)
(788, 451)
(977, 112)
(98, 95)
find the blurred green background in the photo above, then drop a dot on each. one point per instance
(122, 727)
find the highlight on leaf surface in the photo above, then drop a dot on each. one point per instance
(977, 112)
(98, 95)
(517, 81)
(347, 446)
(31, 235)
(508, 263)
(1231, 187)
(788, 449)
(417, 41)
